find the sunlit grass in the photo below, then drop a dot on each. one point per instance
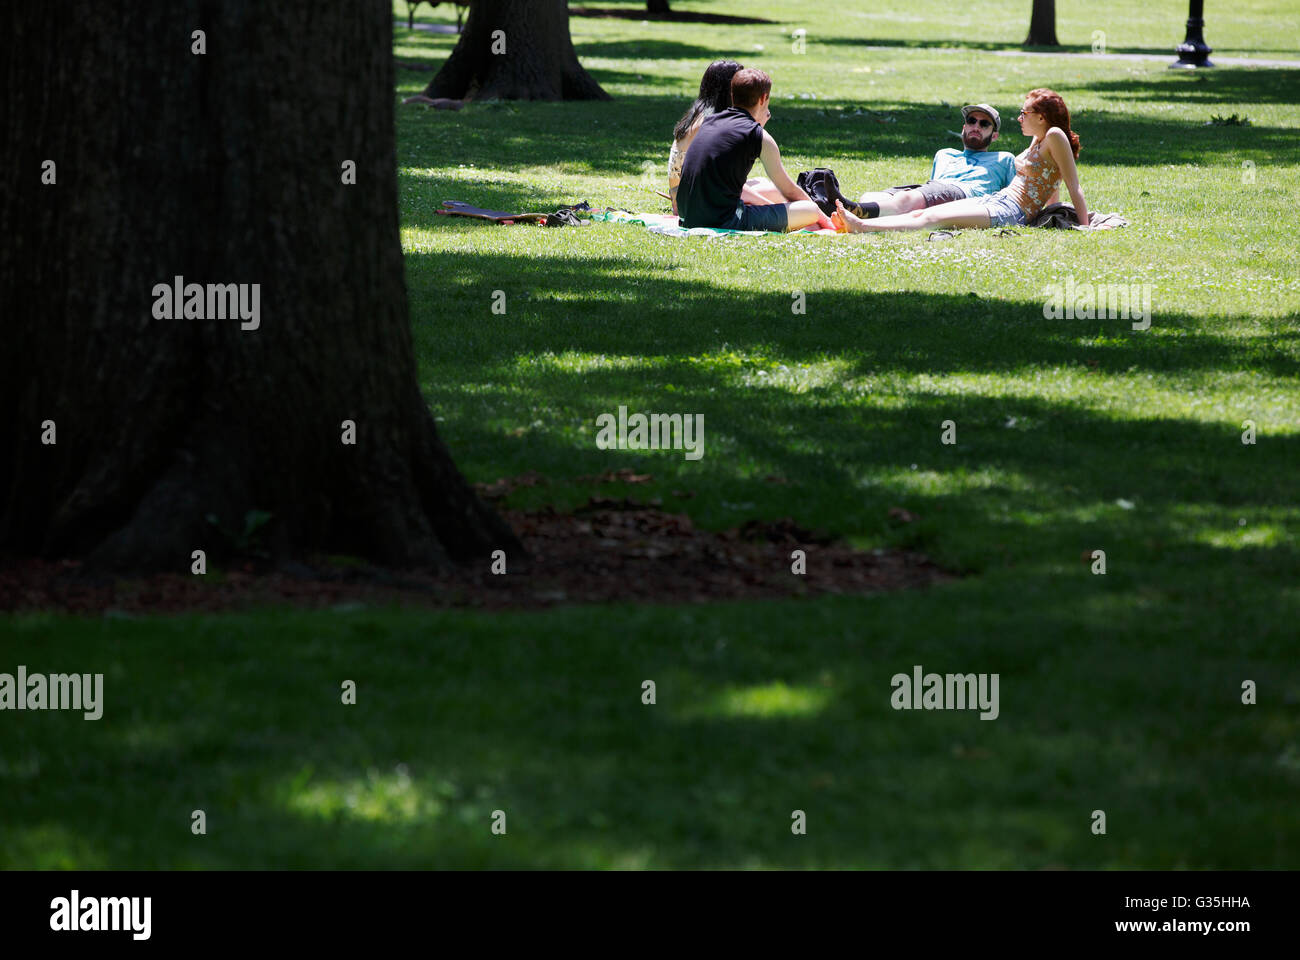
(378, 798)
(764, 701)
(49, 845)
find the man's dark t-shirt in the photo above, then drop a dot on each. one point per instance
(716, 167)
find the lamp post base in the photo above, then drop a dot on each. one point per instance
(1193, 51)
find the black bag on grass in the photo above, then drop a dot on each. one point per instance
(823, 187)
(1059, 216)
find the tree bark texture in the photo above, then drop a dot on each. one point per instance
(220, 167)
(515, 50)
(1042, 25)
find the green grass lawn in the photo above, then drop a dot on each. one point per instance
(1119, 692)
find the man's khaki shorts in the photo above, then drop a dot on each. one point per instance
(935, 192)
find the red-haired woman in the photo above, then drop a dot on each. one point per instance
(1040, 170)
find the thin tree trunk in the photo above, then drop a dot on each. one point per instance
(515, 50)
(224, 167)
(1042, 25)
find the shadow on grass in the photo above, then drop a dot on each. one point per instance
(981, 46)
(616, 139)
(648, 48)
(620, 136)
(988, 46)
(1119, 692)
(639, 12)
(560, 298)
(1218, 86)
(860, 437)
(761, 710)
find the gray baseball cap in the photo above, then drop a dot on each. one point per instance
(997, 120)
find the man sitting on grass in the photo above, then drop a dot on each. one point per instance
(954, 174)
(720, 158)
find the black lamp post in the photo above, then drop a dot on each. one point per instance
(1193, 51)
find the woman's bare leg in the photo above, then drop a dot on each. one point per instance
(761, 190)
(960, 213)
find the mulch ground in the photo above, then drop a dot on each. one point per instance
(609, 550)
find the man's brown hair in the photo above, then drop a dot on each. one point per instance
(748, 87)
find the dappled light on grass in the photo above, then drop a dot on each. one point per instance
(1190, 393)
(1212, 525)
(771, 373)
(940, 483)
(742, 368)
(541, 715)
(49, 846)
(763, 701)
(378, 798)
(1245, 534)
(574, 362)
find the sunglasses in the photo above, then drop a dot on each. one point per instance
(986, 124)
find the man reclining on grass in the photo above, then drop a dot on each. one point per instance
(954, 174)
(1041, 169)
(720, 158)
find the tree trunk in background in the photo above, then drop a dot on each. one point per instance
(1042, 25)
(224, 167)
(657, 6)
(538, 62)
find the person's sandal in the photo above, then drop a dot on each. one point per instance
(564, 218)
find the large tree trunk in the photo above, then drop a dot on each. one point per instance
(224, 167)
(1042, 25)
(515, 50)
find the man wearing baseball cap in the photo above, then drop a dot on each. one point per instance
(955, 174)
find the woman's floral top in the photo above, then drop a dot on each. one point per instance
(1037, 177)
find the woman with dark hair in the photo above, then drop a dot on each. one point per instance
(1044, 165)
(715, 96)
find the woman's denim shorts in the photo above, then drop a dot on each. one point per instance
(1003, 211)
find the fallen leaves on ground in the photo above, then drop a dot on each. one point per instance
(610, 550)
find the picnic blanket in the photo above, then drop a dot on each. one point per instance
(1058, 215)
(1063, 216)
(669, 226)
